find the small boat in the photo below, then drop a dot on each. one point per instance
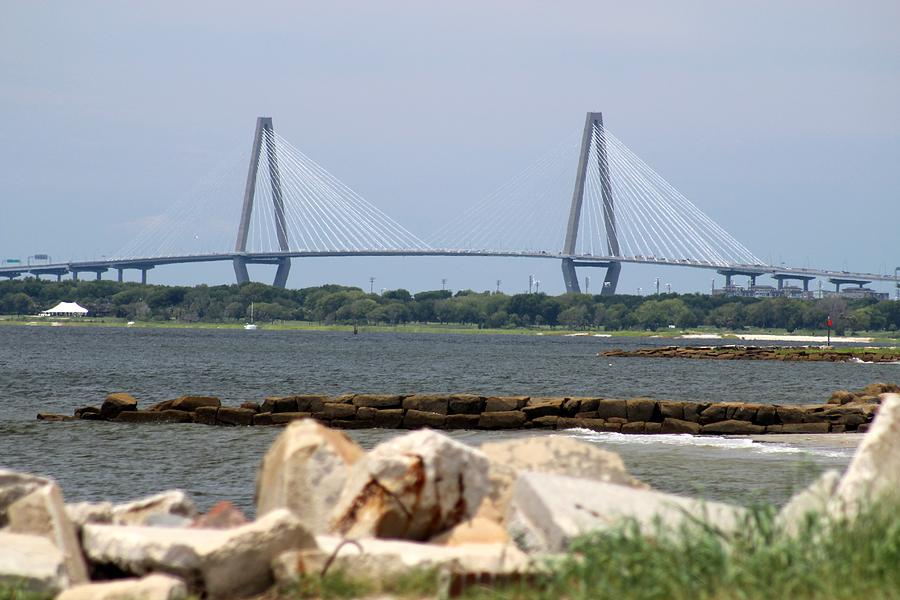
(251, 325)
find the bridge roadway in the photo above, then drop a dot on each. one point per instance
(581, 260)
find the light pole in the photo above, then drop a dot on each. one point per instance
(443, 284)
(530, 283)
(371, 285)
(657, 286)
(537, 286)
(587, 285)
(668, 288)
(897, 279)
(498, 285)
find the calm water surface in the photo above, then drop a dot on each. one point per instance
(59, 369)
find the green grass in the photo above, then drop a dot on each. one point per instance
(12, 591)
(454, 328)
(834, 560)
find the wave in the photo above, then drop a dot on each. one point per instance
(708, 441)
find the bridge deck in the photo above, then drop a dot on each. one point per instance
(271, 257)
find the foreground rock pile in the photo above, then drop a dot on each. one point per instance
(418, 501)
(783, 353)
(844, 412)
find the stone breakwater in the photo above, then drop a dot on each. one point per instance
(845, 411)
(418, 505)
(869, 355)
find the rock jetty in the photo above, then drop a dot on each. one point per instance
(783, 353)
(419, 503)
(845, 411)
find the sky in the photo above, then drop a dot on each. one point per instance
(780, 120)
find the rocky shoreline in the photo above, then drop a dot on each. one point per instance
(845, 411)
(419, 503)
(783, 353)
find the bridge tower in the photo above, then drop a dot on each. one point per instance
(260, 139)
(592, 138)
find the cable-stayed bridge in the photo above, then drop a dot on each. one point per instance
(613, 210)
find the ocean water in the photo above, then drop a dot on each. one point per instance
(59, 369)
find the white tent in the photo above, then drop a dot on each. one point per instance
(65, 309)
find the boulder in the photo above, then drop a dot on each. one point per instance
(671, 409)
(611, 408)
(388, 418)
(206, 415)
(640, 409)
(283, 418)
(279, 404)
(337, 410)
(548, 511)
(151, 587)
(465, 404)
(43, 513)
(634, 427)
(504, 403)
(80, 412)
(304, 471)
(790, 414)
(164, 405)
(379, 401)
(670, 425)
(156, 508)
(808, 502)
(804, 428)
(377, 560)
(508, 419)
(874, 471)
(31, 563)
(15, 485)
(263, 419)
(427, 403)
(766, 415)
(477, 530)
(548, 422)
(116, 403)
(223, 515)
(192, 403)
(415, 419)
(555, 454)
(227, 415)
(81, 513)
(54, 417)
(732, 427)
(223, 563)
(153, 416)
(414, 487)
(692, 411)
(461, 421)
(543, 407)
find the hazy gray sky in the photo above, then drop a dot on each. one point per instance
(781, 120)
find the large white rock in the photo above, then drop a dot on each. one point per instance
(555, 454)
(548, 511)
(810, 501)
(43, 513)
(14, 485)
(304, 471)
(874, 471)
(151, 587)
(226, 563)
(412, 487)
(82, 513)
(32, 562)
(164, 508)
(378, 560)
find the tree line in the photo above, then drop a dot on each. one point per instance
(340, 304)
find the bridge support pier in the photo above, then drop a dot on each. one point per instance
(570, 278)
(144, 275)
(612, 279)
(240, 271)
(281, 274)
(121, 275)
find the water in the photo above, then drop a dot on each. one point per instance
(59, 369)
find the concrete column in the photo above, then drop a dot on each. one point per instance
(99, 275)
(144, 276)
(806, 285)
(611, 280)
(727, 280)
(74, 275)
(780, 283)
(120, 277)
(281, 275)
(752, 280)
(570, 278)
(837, 287)
(59, 276)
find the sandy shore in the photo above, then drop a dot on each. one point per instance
(810, 440)
(763, 337)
